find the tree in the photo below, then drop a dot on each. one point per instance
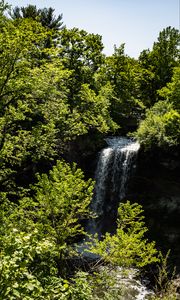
(171, 92)
(28, 116)
(159, 63)
(122, 73)
(128, 246)
(50, 21)
(62, 200)
(81, 53)
(161, 127)
(3, 7)
(29, 11)
(165, 54)
(159, 91)
(45, 16)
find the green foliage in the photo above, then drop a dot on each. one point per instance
(61, 200)
(28, 270)
(166, 286)
(81, 52)
(161, 127)
(146, 84)
(158, 64)
(80, 49)
(3, 7)
(18, 51)
(80, 289)
(128, 246)
(122, 73)
(45, 16)
(93, 109)
(104, 283)
(37, 236)
(18, 252)
(165, 54)
(171, 92)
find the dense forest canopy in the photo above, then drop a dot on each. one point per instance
(58, 89)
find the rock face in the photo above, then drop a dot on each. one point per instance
(156, 186)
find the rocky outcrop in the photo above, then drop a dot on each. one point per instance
(156, 186)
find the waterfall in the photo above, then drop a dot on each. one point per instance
(114, 168)
(115, 165)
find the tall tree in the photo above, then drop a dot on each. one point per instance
(27, 117)
(49, 20)
(122, 73)
(29, 11)
(81, 53)
(45, 16)
(158, 64)
(171, 91)
(3, 7)
(166, 54)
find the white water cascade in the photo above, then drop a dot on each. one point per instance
(115, 165)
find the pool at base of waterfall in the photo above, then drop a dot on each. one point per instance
(127, 285)
(124, 282)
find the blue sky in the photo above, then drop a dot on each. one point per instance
(136, 23)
